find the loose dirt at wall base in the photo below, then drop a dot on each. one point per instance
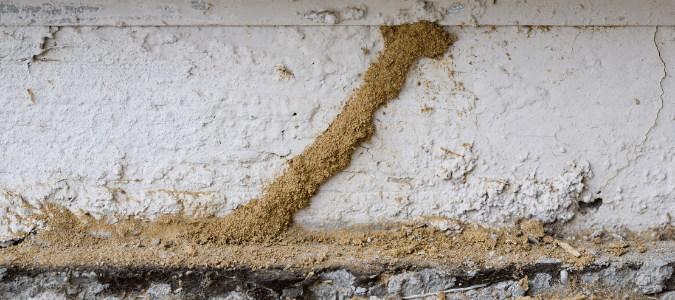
(80, 243)
(82, 240)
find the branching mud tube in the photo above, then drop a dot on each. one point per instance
(331, 152)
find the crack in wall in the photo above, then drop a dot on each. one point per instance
(665, 74)
(640, 146)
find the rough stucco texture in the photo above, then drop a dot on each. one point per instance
(513, 122)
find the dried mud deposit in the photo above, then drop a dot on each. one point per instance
(332, 150)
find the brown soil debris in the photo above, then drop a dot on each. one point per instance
(32, 96)
(532, 228)
(332, 150)
(618, 248)
(283, 74)
(82, 240)
(524, 284)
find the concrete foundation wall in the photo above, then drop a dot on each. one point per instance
(561, 124)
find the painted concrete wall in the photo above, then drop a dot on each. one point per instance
(558, 123)
(343, 12)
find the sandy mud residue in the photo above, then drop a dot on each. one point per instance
(331, 152)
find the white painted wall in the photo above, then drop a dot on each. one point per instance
(343, 12)
(133, 120)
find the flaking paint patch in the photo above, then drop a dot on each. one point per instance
(419, 10)
(455, 10)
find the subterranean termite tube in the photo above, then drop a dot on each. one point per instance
(331, 152)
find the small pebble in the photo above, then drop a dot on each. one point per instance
(596, 234)
(564, 277)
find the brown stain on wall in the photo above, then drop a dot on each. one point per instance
(331, 152)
